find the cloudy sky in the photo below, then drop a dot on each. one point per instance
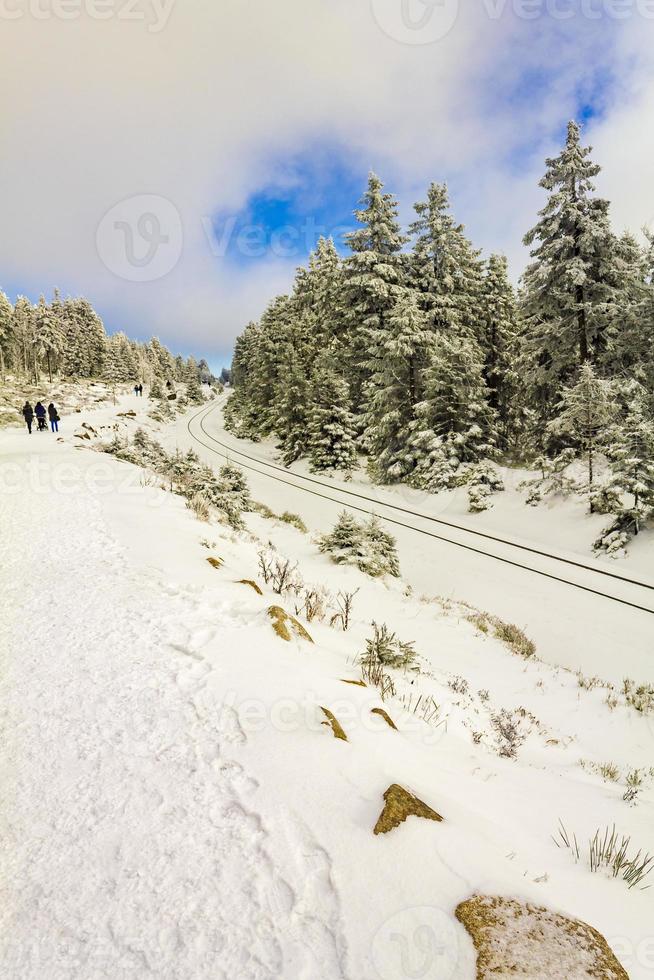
(174, 160)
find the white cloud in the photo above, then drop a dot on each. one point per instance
(204, 111)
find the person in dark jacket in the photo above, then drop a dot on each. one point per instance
(39, 411)
(28, 415)
(53, 415)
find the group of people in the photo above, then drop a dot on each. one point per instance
(40, 412)
(138, 390)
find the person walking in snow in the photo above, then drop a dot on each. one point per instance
(53, 415)
(136, 389)
(28, 415)
(140, 390)
(39, 411)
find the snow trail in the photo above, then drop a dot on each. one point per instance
(132, 845)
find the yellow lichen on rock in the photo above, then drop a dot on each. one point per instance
(285, 625)
(215, 562)
(513, 938)
(251, 583)
(384, 714)
(333, 721)
(401, 804)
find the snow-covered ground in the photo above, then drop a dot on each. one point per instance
(173, 804)
(572, 627)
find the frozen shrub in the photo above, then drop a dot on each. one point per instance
(484, 481)
(386, 650)
(508, 736)
(200, 506)
(367, 546)
(294, 520)
(553, 481)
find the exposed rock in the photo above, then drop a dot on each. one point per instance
(215, 562)
(517, 939)
(354, 683)
(332, 720)
(285, 625)
(387, 718)
(401, 804)
(253, 585)
(127, 415)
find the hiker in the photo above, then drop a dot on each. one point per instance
(28, 415)
(136, 389)
(53, 415)
(141, 389)
(39, 411)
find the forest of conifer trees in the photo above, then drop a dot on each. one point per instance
(416, 352)
(67, 339)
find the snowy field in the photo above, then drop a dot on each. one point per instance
(175, 806)
(572, 627)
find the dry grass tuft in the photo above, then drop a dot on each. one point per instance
(251, 583)
(285, 626)
(401, 804)
(333, 721)
(387, 718)
(516, 939)
(215, 562)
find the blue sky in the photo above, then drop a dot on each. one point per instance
(238, 122)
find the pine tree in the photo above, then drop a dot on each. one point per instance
(499, 344)
(331, 426)
(373, 278)
(49, 339)
(7, 338)
(454, 422)
(194, 389)
(630, 452)
(585, 411)
(395, 387)
(444, 268)
(566, 288)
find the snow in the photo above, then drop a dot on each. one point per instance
(616, 644)
(174, 806)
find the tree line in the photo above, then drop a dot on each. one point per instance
(417, 352)
(67, 338)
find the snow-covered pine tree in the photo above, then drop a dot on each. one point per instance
(7, 338)
(630, 452)
(499, 344)
(567, 286)
(290, 411)
(395, 387)
(373, 278)
(454, 422)
(585, 411)
(331, 425)
(23, 321)
(444, 268)
(49, 339)
(194, 391)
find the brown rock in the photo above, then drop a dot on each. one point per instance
(285, 625)
(513, 938)
(401, 804)
(332, 720)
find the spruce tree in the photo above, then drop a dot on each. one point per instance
(373, 278)
(499, 345)
(6, 333)
(566, 287)
(331, 425)
(395, 387)
(630, 452)
(454, 422)
(444, 268)
(584, 413)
